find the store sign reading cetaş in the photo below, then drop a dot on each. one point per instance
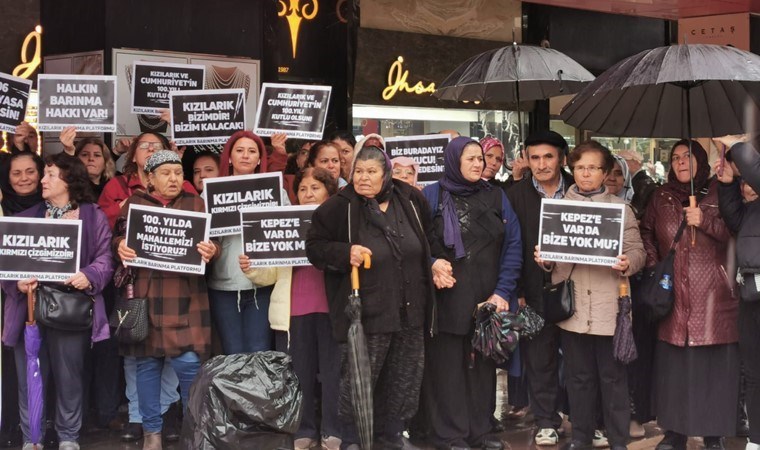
(397, 82)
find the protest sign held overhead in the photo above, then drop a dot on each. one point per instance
(153, 81)
(300, 111)
(166, 239)
(581, 232)
(87, 102)
(226, 196)
(14, 95)
(206, 116)
(427, 150)
(46, 249)
(276, 236)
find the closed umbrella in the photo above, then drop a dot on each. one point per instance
(623, 345)
(513, 74)
(689, 90)
(359, 370)
(32, 342)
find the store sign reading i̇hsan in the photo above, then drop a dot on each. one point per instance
(397, 82)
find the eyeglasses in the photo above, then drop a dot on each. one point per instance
(590, 169)
(155, 146)
(403, 172)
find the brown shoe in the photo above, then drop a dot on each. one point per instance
(152, 441)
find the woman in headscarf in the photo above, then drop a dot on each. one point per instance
(618, 181)
(406, 169)
(696, 356)
(476, 243)
(386, 219)
(180, 321)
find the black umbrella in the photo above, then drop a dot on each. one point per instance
(514, 74)
(623, 345)
(690, 90)
(358, 362)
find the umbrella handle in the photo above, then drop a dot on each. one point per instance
(355, 271)
(623, 289)
(30, 306)
(693, 204)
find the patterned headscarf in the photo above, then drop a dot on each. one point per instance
(160, 158)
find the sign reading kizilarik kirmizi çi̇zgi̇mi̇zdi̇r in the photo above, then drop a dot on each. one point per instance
(45, 249)
(226, 196)
(153, 81)
(298, 110)
(87, 102)
(14, 95)
(426, 150)
(206, 116)
(581, 232)
(276, 236)
(166, 239)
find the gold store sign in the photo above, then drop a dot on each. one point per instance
(295, 13)
(397, 77)
(28, 66)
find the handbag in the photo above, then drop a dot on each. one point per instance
(748, 281)
(559, 300)
(63, 307)
(129, 317)
(657, 282)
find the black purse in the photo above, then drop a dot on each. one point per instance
(559, 300)
(129, 317)
(657, 282)
(63, 307)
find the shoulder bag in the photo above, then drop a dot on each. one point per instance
(657, 282)
(559, 300)
(129, 317)
(63, 307)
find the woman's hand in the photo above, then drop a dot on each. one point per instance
(165, 114)
(443, 274)
(67, 139)
(22, 132)
(278, 142)
(537, 257)
(125, 253)
(693, 216)
(357, 254)
(497, 300)
(245, 263)
(730, 140)
(207, 249)
(24, 285)
(78, 281)
(623, 264)
(723, 171)
(122, 146)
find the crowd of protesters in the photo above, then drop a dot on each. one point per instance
(438, 253)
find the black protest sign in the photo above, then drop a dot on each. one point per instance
(166, 239)
(426, 150)
(87, 102)
(206, 116)
(581, 232)
(300, 111)
(14, 95)
(46, 249)
(153, 81)
(226, 196)
(276, 236)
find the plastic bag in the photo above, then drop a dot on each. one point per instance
(243, 401)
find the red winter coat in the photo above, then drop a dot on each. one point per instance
(705, 309)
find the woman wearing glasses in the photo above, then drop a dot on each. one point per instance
(590, 367)
(115, 194)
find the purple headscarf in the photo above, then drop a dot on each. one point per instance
(453, 182)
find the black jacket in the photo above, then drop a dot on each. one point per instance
(742, 219)
(526, 201)
(643, 188)
(334, 229)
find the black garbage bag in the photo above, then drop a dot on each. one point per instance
(243, 401)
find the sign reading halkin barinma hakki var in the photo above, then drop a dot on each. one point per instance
(87, 102)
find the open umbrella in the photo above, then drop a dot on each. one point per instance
(689, 90)
(513, 74)
(623, 345)
(32, 342)
(358, 362)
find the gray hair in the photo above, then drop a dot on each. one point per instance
(371, 153)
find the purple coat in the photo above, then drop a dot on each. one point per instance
(95, 262)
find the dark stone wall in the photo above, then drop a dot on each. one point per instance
(18, 19)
